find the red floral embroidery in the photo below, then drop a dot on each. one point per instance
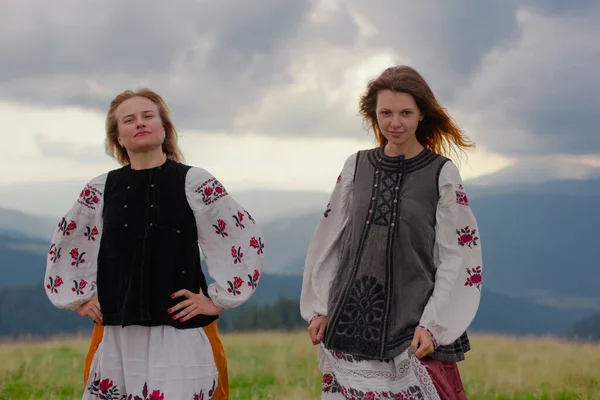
(65, 228)
(475, 277)
(461, 198)
(235, 286)
(236, 254)
(466, 237)
(220, 228)
(339, 179)
(54, 253)
(78, 287)
(105, 385)
(156, 395)
(257, 244)
(77, 258)
(331, 385)
(211, 392)
(211, 191)
(343, 356)
(253, 279)
(250, 217)
(105, 389)
(54, 284)
(91, 233)
(90, 197)
(238, 219)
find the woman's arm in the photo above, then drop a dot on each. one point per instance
(230, 238)
(456, 295)
(71, 263)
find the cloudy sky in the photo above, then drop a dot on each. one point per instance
(265, 93)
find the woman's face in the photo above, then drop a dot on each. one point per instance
(398, 117)
(139, 124)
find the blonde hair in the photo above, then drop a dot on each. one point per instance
(115, 150)
(437, 132)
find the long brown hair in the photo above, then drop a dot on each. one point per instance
(437, 132)
(113, 149)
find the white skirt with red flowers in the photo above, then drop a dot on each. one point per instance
(152, 363)
(401, 378)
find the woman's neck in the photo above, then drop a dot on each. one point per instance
(408, 150)
(147, 160)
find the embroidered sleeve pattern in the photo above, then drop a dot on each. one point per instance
(70, 278)
(230, 238)
(321, 260)
(457, 291)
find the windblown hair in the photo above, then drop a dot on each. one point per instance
(437, 132)
(115, 150)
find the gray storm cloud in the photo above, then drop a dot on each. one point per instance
(521, 75)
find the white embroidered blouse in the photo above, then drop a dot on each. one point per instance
(229, 238)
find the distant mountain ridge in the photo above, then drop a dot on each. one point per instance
(26, 310)
(539, 245)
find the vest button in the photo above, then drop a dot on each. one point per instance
(125, 206)
(125, 225)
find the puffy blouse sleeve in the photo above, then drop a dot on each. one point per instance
(322, 258)
(230, 239)
(457, 291)
(71, 263)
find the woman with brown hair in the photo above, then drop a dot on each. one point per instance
(393, 273)
(127, 255)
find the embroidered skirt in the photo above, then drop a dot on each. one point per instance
(401, 378)
(156, 363)
(212, 332)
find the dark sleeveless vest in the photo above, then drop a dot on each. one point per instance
(387, 268)
(149, 247)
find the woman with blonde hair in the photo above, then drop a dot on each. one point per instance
(393, 273)
(127, 254)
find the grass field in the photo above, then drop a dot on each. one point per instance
(284, 366)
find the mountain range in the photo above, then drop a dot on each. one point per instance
(539, 246)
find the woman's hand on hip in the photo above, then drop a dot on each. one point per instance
(91, 308)
(316, 329)
(196, 304)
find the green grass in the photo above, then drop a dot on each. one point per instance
(284, 366)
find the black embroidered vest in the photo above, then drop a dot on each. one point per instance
(387, 268)
(149, 247)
